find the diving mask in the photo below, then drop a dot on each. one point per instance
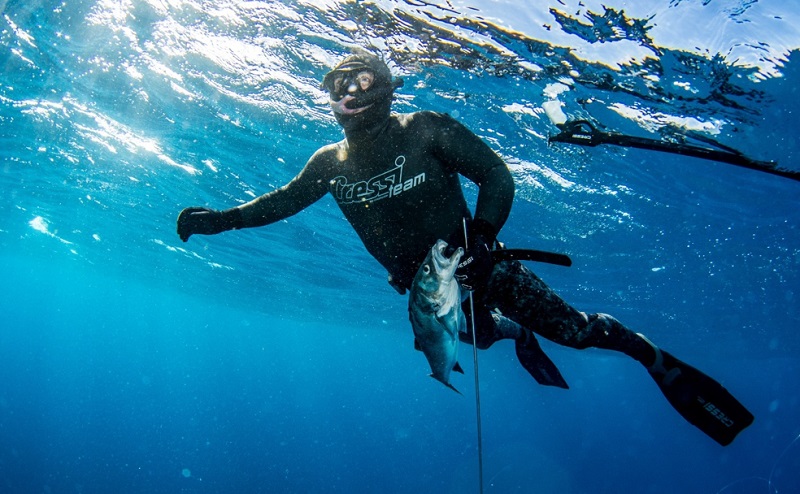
(359, 82)
(352, 87)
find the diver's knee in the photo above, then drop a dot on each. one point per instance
(603, 321)
(598, 327)
(605, 331)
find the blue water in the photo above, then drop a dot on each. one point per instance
(278, 359)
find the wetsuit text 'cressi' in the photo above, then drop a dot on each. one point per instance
(387, 184)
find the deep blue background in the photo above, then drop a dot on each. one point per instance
(278, 359)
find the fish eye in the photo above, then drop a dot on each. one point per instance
(426, 269)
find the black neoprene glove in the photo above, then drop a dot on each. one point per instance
(476, 266)
(205, 221)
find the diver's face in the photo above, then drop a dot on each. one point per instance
(347, 87)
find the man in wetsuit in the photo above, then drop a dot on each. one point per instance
(395, 178)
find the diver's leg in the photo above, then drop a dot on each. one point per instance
(523, 297)
(492, 327)
(702, 401)
(487, 330)
(606, 332)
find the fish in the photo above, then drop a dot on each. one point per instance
(434, 309)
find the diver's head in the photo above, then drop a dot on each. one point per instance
(361, 89)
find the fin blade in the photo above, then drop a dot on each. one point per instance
(538, 364)
(702, 401)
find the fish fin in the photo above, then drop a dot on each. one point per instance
(446, 384)
(454, 389)
(458, 368)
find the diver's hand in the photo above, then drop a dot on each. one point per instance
(205, 221)
(476, 266)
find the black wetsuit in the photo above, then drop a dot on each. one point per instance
(400, 191)
(396, 179)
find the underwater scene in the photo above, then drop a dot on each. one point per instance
(653, 143)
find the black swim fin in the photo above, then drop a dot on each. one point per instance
(699, 399)
(537, 363)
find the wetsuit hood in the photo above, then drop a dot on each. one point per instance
(356, 108)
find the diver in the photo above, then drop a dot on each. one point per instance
(395, 178)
